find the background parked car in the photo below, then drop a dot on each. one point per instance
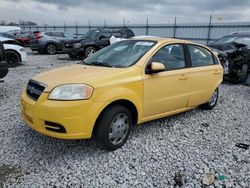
(3, 63)
(25, 38)
(95, 40)
(15, 53)
(234, 54)
(7, 35)
(50, 42)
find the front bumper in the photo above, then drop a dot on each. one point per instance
(77, 117)
(23, 56)
(74, 51)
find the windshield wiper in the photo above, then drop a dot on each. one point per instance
(99, 64)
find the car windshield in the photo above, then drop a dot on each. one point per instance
(121, 54)
(68, 35)
(226, 39)
(92, 34)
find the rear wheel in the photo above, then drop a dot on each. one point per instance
(41, 51)
(51, 49)
(212, 101)
(89, 51)
(113, 127)
(12, 58)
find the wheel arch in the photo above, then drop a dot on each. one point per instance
(123, 102)
(12, 50)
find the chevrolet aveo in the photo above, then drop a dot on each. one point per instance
(127, 83)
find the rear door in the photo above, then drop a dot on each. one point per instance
(205, 74)
(104, 39)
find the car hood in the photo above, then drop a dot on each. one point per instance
(94, 76)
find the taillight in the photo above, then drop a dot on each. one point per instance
(39, 36)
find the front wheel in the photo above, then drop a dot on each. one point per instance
(51, 49)
(212, 101)
(12, 58)
(89, 51)
(113, 127)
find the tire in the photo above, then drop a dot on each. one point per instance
(51, 49)
(12, 58)
(212, 101)
(41, 51)
(113, 127)
(89, 51)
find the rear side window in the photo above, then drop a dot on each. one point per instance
(117, 34)
(172, 56)
(200, 56)
(127, 34)
(54, 34)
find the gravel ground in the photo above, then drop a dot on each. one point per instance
(171, 152)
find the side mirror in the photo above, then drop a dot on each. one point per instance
(102, 37)
(156, 67)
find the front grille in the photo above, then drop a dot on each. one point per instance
(55, 127)
(34, 89)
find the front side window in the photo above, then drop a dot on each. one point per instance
(200, 56)
(117, 34)
(121, 54)
(106, 34)
(172, 56)
(92, 34)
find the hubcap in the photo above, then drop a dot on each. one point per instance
(90, 52)
(119, 129)
(213, 99)
(51, 49)
(12, 59)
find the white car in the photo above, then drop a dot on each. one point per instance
(15, 54)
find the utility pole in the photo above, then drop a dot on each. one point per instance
(76, 28)
(147, 27)
(105, 23)
(175, 27)
(89, 26)
(209, 28)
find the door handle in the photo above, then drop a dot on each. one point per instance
(183, 77)
(217, 71)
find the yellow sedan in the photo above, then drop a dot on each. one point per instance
(127, 83)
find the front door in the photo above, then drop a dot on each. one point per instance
(167, 91)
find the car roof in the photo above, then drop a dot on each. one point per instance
(161, 39)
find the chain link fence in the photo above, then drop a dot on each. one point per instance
(198, 32)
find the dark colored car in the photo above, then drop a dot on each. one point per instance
(3, 63)
(95, 40)
(50, 42)
(234, 53)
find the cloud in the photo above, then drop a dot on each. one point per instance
(114, 11)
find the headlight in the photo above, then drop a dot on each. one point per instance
(71, 92)
(77, 45)
(22, 49)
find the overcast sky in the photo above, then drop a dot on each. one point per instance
(114, 11)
